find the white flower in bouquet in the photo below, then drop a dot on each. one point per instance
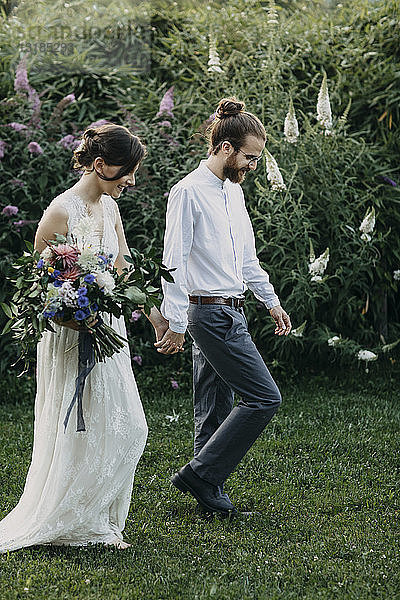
(52, 293)
(106, 282)
(273, 173)
(334, 341)
(396, 275)
(317, 266)
(291, 128)
(46, 254)
(299, 331)
(324, 114)
(88, 260)
(68, 294)
(368, 225)
(84, 229)
(214, 63)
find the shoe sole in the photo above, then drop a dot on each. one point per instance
(180, 484)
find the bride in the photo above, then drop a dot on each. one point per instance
(79, 484)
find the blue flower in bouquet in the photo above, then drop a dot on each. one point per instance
(83, 301)
(102, 259)
(80, 315)
(48, 314)
(40, 263)
(94, 307)
(82, 291)
(56, 274)
(57, 283)
(89, 278)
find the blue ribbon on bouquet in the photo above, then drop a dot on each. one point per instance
(85, 365)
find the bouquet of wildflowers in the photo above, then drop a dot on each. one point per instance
(75, 281)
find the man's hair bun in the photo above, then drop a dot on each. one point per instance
(229, 107)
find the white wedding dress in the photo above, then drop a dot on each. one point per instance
(79, 484)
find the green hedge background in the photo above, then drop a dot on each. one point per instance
(119, 61)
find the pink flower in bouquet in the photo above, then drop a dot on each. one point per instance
(138, 360)
(68, 255)
(71, 274)
(17, 182)
(35, 148)
(174, 384)
(136, 314)
(9, 210)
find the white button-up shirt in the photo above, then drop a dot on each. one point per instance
(209, 240)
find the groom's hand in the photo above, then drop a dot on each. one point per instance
(282, 320)
(170, 343)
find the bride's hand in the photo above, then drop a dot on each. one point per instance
(76, 325)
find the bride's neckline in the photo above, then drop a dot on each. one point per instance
(98, 225)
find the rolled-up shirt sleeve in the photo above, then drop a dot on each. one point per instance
(178, 241)
(254, 276)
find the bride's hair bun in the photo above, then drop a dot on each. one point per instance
(114, 143)
(229, 107)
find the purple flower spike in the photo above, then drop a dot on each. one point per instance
(138, 360)
(69, 142)
(174, 384)
(34, 148)
(70, 98)
(21, 83)
(17, 182)
(165, 124)
(9, 210)
(167, 104)
(388, 180)
(99, 123)
(17, 126)
(3, 146)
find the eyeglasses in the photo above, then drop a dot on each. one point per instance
(250, 157)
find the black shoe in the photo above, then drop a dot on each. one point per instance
(206, 494)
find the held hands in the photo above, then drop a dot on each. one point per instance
(170, 343)
(282, 320)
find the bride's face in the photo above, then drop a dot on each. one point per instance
(116, 187)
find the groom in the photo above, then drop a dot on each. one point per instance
(209, 240)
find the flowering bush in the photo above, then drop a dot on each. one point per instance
(324, 206)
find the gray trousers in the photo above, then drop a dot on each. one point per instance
(226, 360)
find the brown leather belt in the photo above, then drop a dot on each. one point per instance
(233, 302)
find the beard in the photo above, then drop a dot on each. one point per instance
(232, 172)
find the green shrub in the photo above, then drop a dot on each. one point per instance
(331, 180)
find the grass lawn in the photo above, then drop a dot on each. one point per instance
(322, 477)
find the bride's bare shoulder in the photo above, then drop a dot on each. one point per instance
(58, 206)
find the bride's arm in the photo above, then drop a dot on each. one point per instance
(54, 220)
(155, 317)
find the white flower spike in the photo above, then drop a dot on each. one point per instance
(367, 356)
(291, 128)
(214, 63)
(318, 266)
(273, 173)
(368, 225)
(324, 114)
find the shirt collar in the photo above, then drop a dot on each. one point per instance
(210, 176)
